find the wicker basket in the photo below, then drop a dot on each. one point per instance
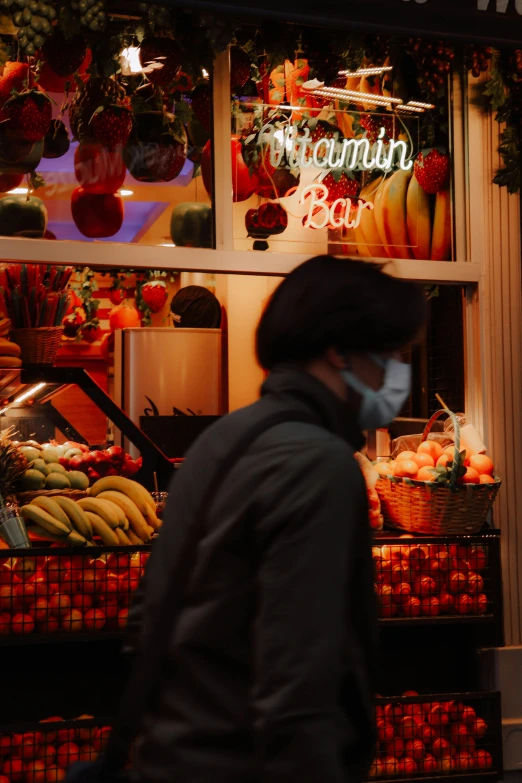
(39, 345)
(437, 509)
(24, 498)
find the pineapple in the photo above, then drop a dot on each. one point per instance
(98, 91)
(12, 467)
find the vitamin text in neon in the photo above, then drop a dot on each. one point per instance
(301, 151)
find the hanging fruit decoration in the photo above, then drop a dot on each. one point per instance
(56, 141)
(154, 295)
(10, 182)
(166, 57)
(30, 113)
(33, 20)
(191, 225)
(97, 169)
(244, 183)
(97, 216)
(22, 216)
(63, 56)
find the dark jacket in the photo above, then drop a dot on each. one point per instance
(270, 673)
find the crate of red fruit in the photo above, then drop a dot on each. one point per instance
(42, 752)
(434, 736)
(51, 592)
(436, 493)
(428, 577)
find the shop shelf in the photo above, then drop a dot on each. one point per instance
(54, 593)
(444, 735)
(420, 737)
(435, 579)
(41, 752)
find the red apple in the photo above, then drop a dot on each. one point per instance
(385, 731)
(430, 763)
(483, 760)
(407, 766)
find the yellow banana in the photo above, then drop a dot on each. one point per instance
(394, 214)
(74, 539)
(132, 489)
(41, 518)
(133, 538)
(52, 508)
(76, 515)
(368, 223)
(419, 220)
(136, 519)
(102, 529)
(378, 213)
(120, 514)
(360, 243)
(100, 507)
(123, 538)
(441, 237)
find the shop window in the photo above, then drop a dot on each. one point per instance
(352, 161)
(438, 358)
(129, 117)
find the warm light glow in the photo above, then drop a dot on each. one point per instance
(130, 61)
(19, 191)
(168, 244)
(25, 396)
(355, 97)
(420, 105)
(205, 73)
(29, 393)
(367, 71)
(124, 192)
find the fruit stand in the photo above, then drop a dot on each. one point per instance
(151, 141)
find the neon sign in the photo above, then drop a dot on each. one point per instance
(297, 149)
(322, 214)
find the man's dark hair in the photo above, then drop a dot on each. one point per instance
(351, 305)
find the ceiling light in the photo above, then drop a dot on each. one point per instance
(130, 62)
(355, 97)
(168, 244)
(18, 191)
(205, 73)
(411, 109)
(367, 71)
(123, 192)
(420, 105)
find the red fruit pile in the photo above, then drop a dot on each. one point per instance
(43, 756)
(429, 581)
(62, 594)
(109, 462)
(267, 220)
(430, 738)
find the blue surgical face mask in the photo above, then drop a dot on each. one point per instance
(379, 408)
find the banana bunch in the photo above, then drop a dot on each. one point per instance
(119, 511)
(406, 222)
(5, 326)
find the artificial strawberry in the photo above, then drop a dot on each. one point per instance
(372, 124)
(154, 295)
(240, 70)
(97, 91)
(273, 217)
(30, 113)
(91, 331)
(340, 186)
(432, 170)
(116, 294)
(64, 55)
(112, 125)
(323, 130)
(201, 102)
(164, 52)
(14, 77)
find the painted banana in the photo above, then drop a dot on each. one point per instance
(441, 237)
(76, 515)
(362, 248)
(136, 519)
(378, 213)
(394, 214)
(102, 529)
(41, 518)
(100, 507)
(418, 216)
(52, 508)
(123, 538)
(368, 223)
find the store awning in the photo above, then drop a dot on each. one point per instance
(496, 22)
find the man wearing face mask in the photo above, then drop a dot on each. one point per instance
(269, 676)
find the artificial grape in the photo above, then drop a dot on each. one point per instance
(30, 49)
(27, 16)
(39, 41)
(17, 18)
(36, 24)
